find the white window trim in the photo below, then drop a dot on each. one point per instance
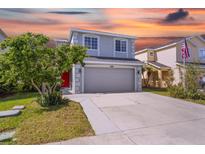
(98, 40)
(121, 39)
(199, 53)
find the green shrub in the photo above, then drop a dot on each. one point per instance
(12, 88)
(177, 91)
(194, 95)
(52, 99)
(6, 89)
(189, 88)
(169, 78)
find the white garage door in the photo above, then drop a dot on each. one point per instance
(101, 80)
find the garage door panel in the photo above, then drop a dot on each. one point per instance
(108, 80)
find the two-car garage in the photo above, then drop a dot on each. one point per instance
(108, 79)
(106, 75)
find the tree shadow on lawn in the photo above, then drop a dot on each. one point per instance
(19, 96)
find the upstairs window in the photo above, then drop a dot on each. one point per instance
(91, 42)
(121, 45)
(151, 54)
(202, 53)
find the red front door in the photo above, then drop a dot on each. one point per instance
(66, 79)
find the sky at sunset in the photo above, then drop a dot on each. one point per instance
(149, 23)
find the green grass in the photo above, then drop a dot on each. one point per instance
(158, 91)
(164, 92)
(17, 99)
(37, 125)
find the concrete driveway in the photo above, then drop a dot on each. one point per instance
(141, 118)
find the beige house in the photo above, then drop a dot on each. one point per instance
(168, 57)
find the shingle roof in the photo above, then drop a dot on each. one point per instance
(51, 44)
(158, 65)
(203, 36)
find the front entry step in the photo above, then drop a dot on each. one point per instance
(66, 91)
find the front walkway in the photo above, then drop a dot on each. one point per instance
(141, 118)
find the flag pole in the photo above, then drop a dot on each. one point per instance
(185, 54)
(184, 63)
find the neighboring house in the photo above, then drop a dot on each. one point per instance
(167, 57)
(52, 43)
(3, 36)
(59, 42)
(110, 67)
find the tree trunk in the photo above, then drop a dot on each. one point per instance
(54, 87)
(37, 88)
(148, 79)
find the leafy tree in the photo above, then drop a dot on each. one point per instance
(29, 60)
(149, 73)
(170, 78)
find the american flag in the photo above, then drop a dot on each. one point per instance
(185, 50)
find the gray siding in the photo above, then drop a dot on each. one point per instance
(77, 80)
(106, 46)
(138, 78)
(1, 37)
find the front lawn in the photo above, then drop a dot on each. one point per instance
(164, 92)
(37, 125)
(158, 91)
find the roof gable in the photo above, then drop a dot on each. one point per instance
(3, 33)
(100, 33)
(172, 44)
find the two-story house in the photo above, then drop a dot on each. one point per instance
(110, 67)
(167, 57)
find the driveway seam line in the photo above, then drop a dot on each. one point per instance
(129, 138)
(106, 115)
(164, 124)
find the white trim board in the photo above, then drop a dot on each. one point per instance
(82, 80)
(73, 79)
(108, 66)
(113, 63)
(102, 33)
(135, 82)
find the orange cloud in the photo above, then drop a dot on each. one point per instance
(139, 22)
